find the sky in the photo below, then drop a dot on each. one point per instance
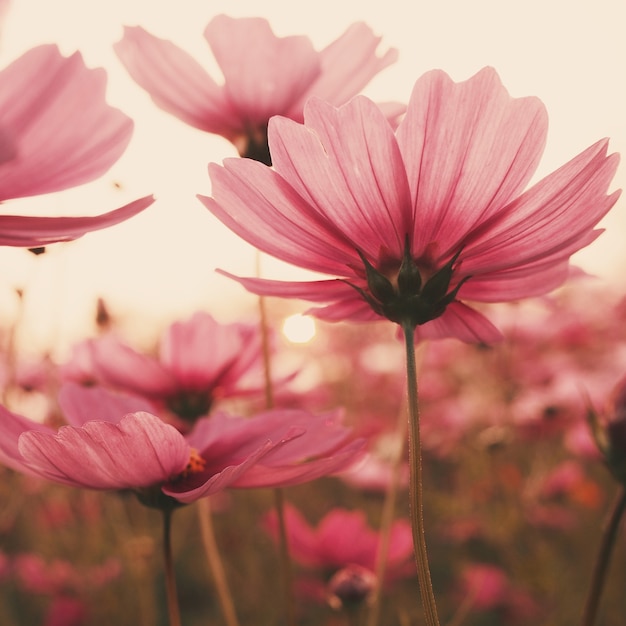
(160, 265)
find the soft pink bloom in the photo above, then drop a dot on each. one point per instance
(413, 223)
(489, 589)
(342, 538)
(199, 362)
(56, 132)
(264, 75)
(110, 444)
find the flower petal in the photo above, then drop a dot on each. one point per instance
(347, 65)
(139, 451)
(29, 232)
(461, 322)
(555, 215)
(264, 74)
(176, 82)
(261, 207)
(64, 132)
(469, 148)
(346, 163)
(12, 426)
(80, 404)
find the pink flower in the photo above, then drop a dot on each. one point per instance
(264, 75)
(199, 361)
(343, 538)
(412, 223)
(109, 444)
(56, 132)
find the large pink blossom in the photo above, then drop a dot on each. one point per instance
(110, 442)
(56, 132)
(199, 362)
(414, 222)
(264, 75)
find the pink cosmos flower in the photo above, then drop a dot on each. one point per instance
(264, 75)
(56, 132)
(111, 443)
(344, 538)
(199, 361)
(412, 224)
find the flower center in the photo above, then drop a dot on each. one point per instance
(409, 298)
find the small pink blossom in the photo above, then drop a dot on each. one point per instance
(411, 224)
(342, 538)
(199, 362)
(56, 132)
(264, 75)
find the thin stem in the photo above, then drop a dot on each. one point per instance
(215, 562)
(285, 559)
(388, 513)
(173, 609)
(602, 560)
(283, 545)
(415, 483)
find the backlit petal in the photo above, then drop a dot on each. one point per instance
(139, 451)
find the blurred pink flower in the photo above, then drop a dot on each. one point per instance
(416, 222)
(110, 444)
(199, 361)
(344, 538)
(56, 132)
(489, 589)
(264, 75)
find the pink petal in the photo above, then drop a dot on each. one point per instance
(555, 215)
(200, 352)
(257, 204)
(118, 365)
(461, 322)
(469, 148)
(80, 404)
(264, 74)
(29, 232)
(515, 284)
(187, 491)
(64, 132)
(12, 426)
(347, 65)
(346, 164)
(139, 451)
(262, 475)
(176, 82)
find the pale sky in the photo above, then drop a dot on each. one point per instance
(160, 265)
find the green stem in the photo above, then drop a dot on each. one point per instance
(415, 483)
(387, 516)
(283, 546)
(285, 558)
(173, 609)
(602, 560)
(215, 562)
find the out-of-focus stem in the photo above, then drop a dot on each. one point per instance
(415, 483)
(173, 609)
(215, 562)
(602, 560)
(388, 513)
(283, 545)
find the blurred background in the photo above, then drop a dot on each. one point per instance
(161, 264)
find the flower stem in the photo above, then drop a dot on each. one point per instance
(387, 516)
(283, 546)
(602, 560)
(173, 609)
(215, 562)
(415, 483)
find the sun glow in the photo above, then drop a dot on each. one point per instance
(299, 328)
